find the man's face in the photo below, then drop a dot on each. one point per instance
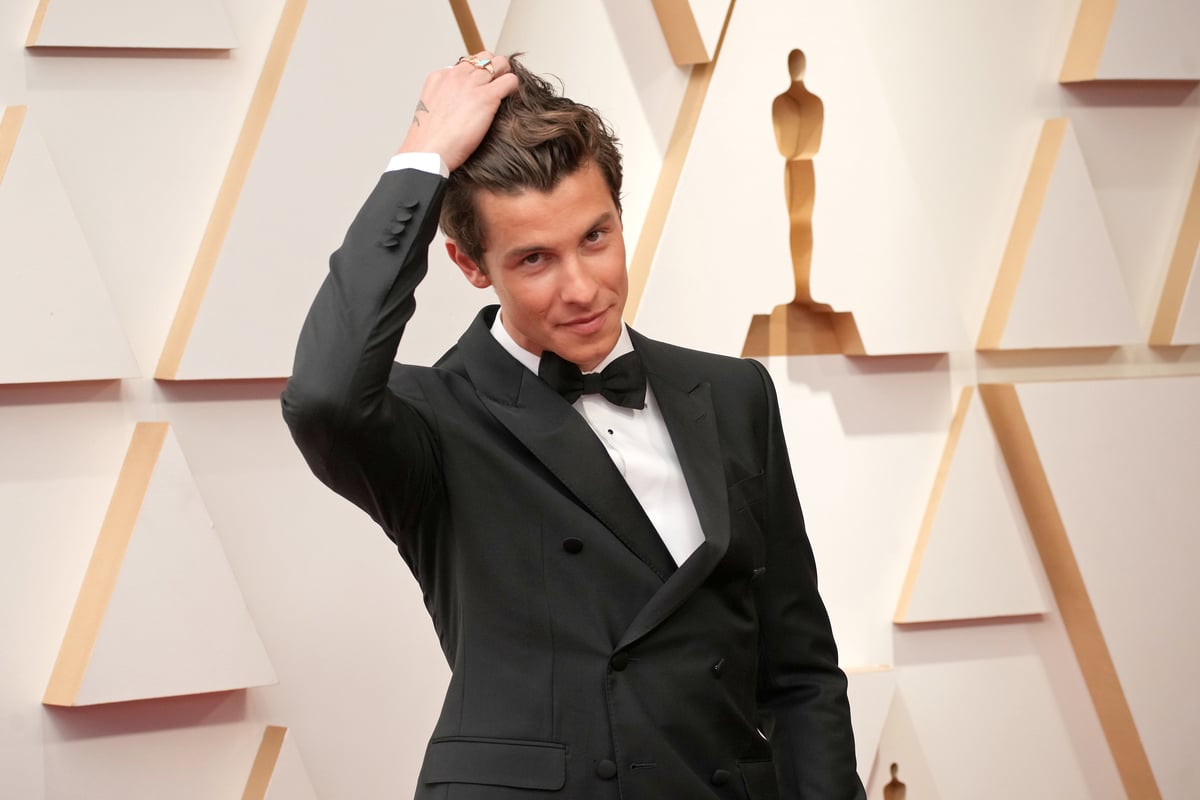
(557, 262)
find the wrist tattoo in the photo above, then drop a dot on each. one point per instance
(420, 107)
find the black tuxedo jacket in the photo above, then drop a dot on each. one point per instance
(585, 664)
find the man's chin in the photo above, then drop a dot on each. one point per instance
(586, 355)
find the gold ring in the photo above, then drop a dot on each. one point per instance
(479, 62)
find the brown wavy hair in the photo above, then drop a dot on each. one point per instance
(537, 138)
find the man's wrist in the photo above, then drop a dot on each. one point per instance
(426, 162)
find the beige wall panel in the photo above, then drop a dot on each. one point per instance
(863, 472)
(189, 24)
(62, 446)
(692, 28)
(344, 102)
(175, 621)
(1177, 316)
(974, 558)
(141, 143)
(870, 691)
(194, 748)
(725, 253)
(1141, 143)
(1120, 460)
(900, 744)
(489, 17)
(1187, 331)
(52, 299)
(278, 773)
(968, 86)
(989, 729)
(361, 675)
(1134, 40)
(1059, 284)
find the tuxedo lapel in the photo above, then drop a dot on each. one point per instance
(687, 410)
(562, 440)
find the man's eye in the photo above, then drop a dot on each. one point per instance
(594, 236)
(532, 258)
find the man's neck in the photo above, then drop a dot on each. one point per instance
(532, 360)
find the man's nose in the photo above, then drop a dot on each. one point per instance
(577, 284)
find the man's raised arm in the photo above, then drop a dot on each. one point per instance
(347, 424)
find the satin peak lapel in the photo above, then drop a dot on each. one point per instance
(691, 422)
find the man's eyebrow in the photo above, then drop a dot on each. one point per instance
(524, 250)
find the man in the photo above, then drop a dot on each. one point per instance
(618, 573)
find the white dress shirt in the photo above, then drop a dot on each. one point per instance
(636, 439)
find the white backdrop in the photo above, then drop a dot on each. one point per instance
(932, 113)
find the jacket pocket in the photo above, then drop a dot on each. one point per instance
(759, 777)
(747, 492)
(515, 763)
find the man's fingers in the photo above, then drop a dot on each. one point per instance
(484, 66)
(504, 85)
(500, 64)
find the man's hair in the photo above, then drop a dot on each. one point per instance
(536, 139)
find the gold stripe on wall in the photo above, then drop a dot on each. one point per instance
(265, 760)
(35, 29)
(10, 129)
(1012, 265)
(668, 176)
(935, 500)
(1088, 38)
(1187, 248)
(472, 39)
(105, 565)
(1070, 591)
(678, 23)
(230, 191)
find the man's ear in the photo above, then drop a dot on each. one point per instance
(470, 270)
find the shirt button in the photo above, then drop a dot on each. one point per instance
(720, 777)
(718, 668)
(606, 770)
(572, 545)
(620, 661)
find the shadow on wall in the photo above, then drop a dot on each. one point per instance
(916, 387)
(142, 716)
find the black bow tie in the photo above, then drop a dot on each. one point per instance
(623, 382)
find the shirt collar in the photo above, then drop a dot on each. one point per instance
(532, 362)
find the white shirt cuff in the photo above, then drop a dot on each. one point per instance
(426, 162)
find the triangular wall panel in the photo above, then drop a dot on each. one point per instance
(179, 24)
(1177, 319)
(487, 17)
(265, 252)
(870, 692)
(1059, 283)
(973, 557)
(52, 298)
(278, 772)
(1187, 330)
(985, 728)
(1109, 473)
(1134, 40)
(160, 612)
(692, 28)
(901, 746)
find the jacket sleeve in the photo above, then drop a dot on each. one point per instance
(801, 690)
(371, 446)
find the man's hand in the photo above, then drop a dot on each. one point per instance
(456, 108)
